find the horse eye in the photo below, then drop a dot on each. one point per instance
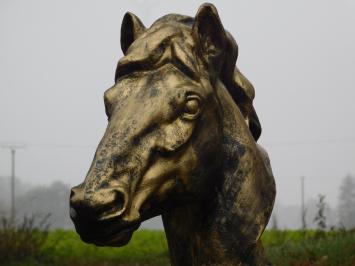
(192, 107)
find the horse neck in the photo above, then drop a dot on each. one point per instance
(198, 234)
(188, 235)
(225, 228)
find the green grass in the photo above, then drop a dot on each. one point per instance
(149, 248)
(145, 246)
(310, 247)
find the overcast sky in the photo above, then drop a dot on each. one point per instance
(58, 57)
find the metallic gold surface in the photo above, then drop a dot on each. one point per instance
(181, 143)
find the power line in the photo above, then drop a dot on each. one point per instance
(309, 141)
(58, 146)
(62, 146)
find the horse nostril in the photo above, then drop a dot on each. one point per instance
(114, 205)
(72, 193)
(76, 200)
(76, 193)
(101, 204)
(119, 200)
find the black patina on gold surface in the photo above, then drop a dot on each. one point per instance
(181, 143)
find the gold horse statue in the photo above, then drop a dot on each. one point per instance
(180, 143)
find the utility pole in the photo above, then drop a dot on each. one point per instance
(303, 210)
(13, 149)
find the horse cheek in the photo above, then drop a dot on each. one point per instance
(175, 135)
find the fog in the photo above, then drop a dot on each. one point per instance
(58, 57)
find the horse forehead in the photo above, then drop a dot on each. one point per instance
(155, 41)
(156, 36)
(156, 82)
(166, 79)
(162, 32)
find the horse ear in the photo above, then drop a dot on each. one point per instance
(210, 37)
(132, 27)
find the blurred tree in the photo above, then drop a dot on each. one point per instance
(44, 200)
(346, 207)
(320, 219)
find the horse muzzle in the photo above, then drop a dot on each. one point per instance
(97, 216)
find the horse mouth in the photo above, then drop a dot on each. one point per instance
(115, 237)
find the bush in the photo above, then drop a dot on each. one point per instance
(23, 241)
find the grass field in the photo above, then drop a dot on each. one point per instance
(149, 248)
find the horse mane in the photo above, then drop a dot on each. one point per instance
(238, 86)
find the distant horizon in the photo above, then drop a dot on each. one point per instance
(72, 183)
(287, 215)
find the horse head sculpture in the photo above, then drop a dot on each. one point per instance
(181, 143)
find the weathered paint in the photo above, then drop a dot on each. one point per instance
(181, 143)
